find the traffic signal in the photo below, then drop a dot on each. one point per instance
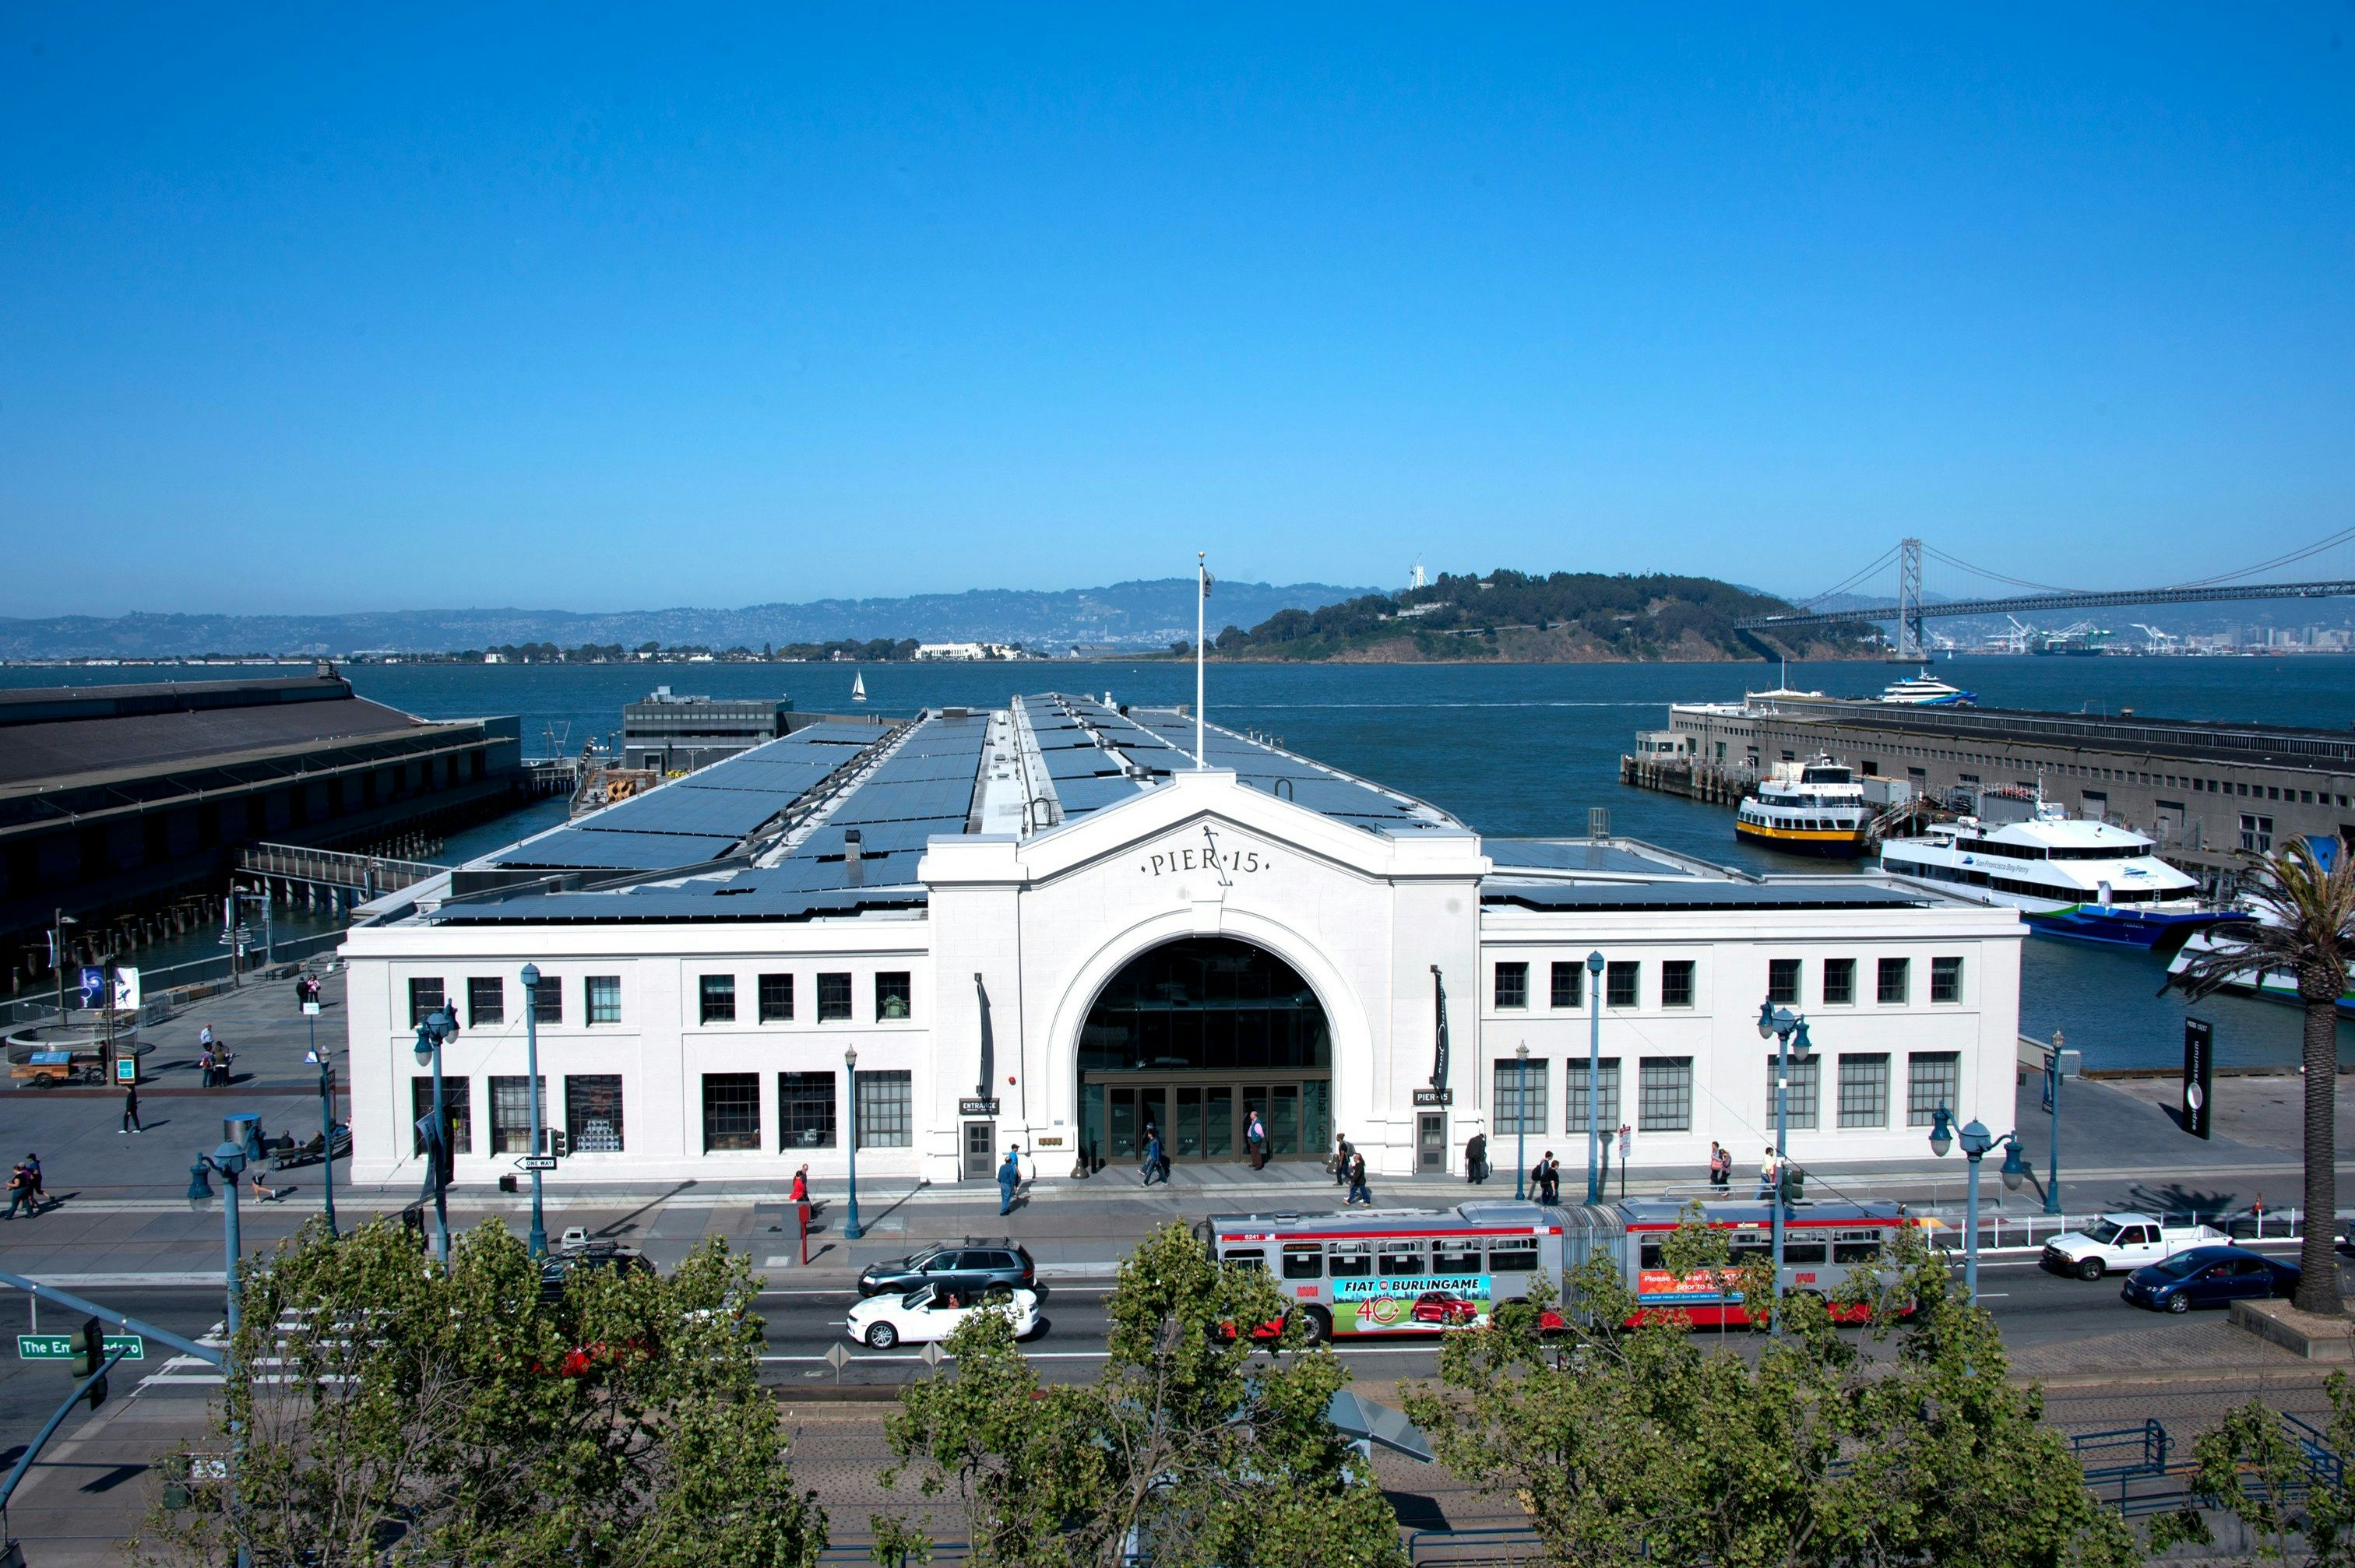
(555, 1141)
(1794, 1183)
(89, 1344)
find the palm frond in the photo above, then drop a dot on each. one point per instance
(2305, 927)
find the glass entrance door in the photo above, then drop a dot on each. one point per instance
(1204, 1122)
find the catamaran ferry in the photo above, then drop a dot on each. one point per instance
(1819, 811)
(2089, 882)
(2274, 985)
(1926, 691)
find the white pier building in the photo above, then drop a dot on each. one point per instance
(1045, 925)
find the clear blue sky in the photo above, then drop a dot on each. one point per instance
(319, 307)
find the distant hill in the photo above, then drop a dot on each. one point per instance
(1562, 617)
(1142, 615)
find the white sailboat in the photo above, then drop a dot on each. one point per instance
(858, 687)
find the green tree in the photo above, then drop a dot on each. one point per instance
(2306, 928)
(1194, 1446)
(389, 1412)
(2294, 1498)
(1627, 1439)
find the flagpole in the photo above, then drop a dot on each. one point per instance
(1201, 600)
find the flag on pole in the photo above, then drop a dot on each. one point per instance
(1206, 581)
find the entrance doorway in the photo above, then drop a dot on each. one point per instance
(1430, 1142)
(1193, 1038)
(980, 1150)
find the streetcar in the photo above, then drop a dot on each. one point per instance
(1426, 1271)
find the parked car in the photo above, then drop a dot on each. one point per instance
(2123, 1243)
(972, 1265)
(934, 1312)
(569, 1261)
(2209, 1277)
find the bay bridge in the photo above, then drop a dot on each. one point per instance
(1912, 608)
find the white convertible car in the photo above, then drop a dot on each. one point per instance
(934, 1312)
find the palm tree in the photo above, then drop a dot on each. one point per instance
(2304, 928)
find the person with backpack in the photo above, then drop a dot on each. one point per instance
(1720, 1165)
(1475, 1159)
(1154, 1162)
(1009, 1177)
(1340, 1160)
(1548, 1180)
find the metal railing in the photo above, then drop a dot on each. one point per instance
(370, 875)
(158, 986)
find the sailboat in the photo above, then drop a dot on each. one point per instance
(858, 687)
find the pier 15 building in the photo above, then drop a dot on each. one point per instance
(1044, 925)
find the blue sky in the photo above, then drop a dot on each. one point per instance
(334, 308)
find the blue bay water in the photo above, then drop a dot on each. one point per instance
(1512, 750)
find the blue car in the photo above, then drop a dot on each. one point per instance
(2209, 1277)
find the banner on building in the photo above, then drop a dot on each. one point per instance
(2199, 1063)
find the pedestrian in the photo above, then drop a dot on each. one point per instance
(1548, 1180)
(1152, 1157)
(1720, 1165)
(1358, 1192)
(1770, 1171)
(1255, 1141)
(800, 1194)
(40, 1188)
(302, 990)
(20, 1192)
(1475, 1158)
(1340, 1160)
(205, 1069)
(130, 1109)
(1009, 1176)
(262, 1191)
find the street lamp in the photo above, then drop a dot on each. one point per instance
(1977, 1141)
(327, 1114)
(851, 1226)
(229, 1160)
(531, 1076)
(1783, 1025)
(1521, 1118)
(438, 1028)
(1595, 1081)
(2052, 1105)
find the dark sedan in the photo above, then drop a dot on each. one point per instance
(2209, 1277)
(970, 1268)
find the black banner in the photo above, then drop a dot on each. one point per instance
(1438, 1052)
(2199, 1056)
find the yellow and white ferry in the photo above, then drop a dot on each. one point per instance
(1817, 808)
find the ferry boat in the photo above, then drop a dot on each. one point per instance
(2085, 880)
(2272, 985)
(1816, 809)
(1926, 691)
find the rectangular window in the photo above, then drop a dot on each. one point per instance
(424, 997)
(1570, 985)
(833, 998)
(1945, 980)
(893, 996)
(1864, 1090)
(1303, 1260)
(593, 1113)
(1839, 983)
(2257, 837)
(1512, 985)
(486, 1003)
(1515, 1092)
(731, 1110)
(1783, 981)
(805, 1110)
(1606, 1113)
(776, 998)
(511, 1114)
(716, 994)
(1933, 1078)
(1677, 983)
(454, 1098)
(1664, 1095)
(548, 1001)
(1894, 986)
(886, 1102)
(604, 993)
(1807, 1081)
(1622, 984)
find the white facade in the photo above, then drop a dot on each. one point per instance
(1016, 938)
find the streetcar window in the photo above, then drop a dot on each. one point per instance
(1254, 1258)
(1455, 1257)
(1652, 1257)
(1303, 1260)
(1796, 1252)
(1747, 1244)
(1401, 1260)
(1856, 1246)
(1350, 1260)
(1519, 1255)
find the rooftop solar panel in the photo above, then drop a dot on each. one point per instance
(1080, 796)
(620, 852)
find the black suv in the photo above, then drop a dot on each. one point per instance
(975, 1263)
(566, 1262)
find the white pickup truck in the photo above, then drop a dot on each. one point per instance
(2123, 1242)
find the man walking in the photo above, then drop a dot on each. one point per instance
(130, 1108)
(1770, 1173)
(20, 1193)
(1009, 1176)
(1358, 1192)
(1255, 1141)
(1152, 1157)
(1548, 1180)
(1341, 1160)
(1475, 1159)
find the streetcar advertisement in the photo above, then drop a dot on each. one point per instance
(1399, 1306)
(1655, 1285)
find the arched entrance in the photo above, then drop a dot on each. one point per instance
(1192, 1037)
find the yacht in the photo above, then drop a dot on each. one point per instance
(2089, 882)
(1926, 691)
(1816, 809)
(2272, 985)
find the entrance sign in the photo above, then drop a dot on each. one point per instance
(1434, 1096)
(978, 1108)
(2199, 1061)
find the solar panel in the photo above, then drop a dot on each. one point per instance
(1080, 796)
(586, 848)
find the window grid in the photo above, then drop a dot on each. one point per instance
(1509, 1098)
(1575, 1102)
(1933, 1078)
(454, 1099)
(886, 1108)
(806, 1117)
(511, 1114)
(833, 998)
(1677, 984)
(548, 1001)
(1806, 1077)
(487, 1004)
(717, 997)
(1945, 980)
(424, 997)
(895, 996)
(1894, 981)
(1664, 1095)
(593, 1113)
(1864, 1090)
(604, 997)
(1783, 981)
(1512, 985)
(731, 1111)
(776, 998)
(1839, 983)
(1623, 984)
(1570, 985)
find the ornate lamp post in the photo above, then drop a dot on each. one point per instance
(1780, 1023)
(229, 1160)
(1521, 1120)
(531, 1076)
(851, 1226)
(438, 1027)
(1976, 1141)
(1594, 1079)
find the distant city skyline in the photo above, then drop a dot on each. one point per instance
(329, 312)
